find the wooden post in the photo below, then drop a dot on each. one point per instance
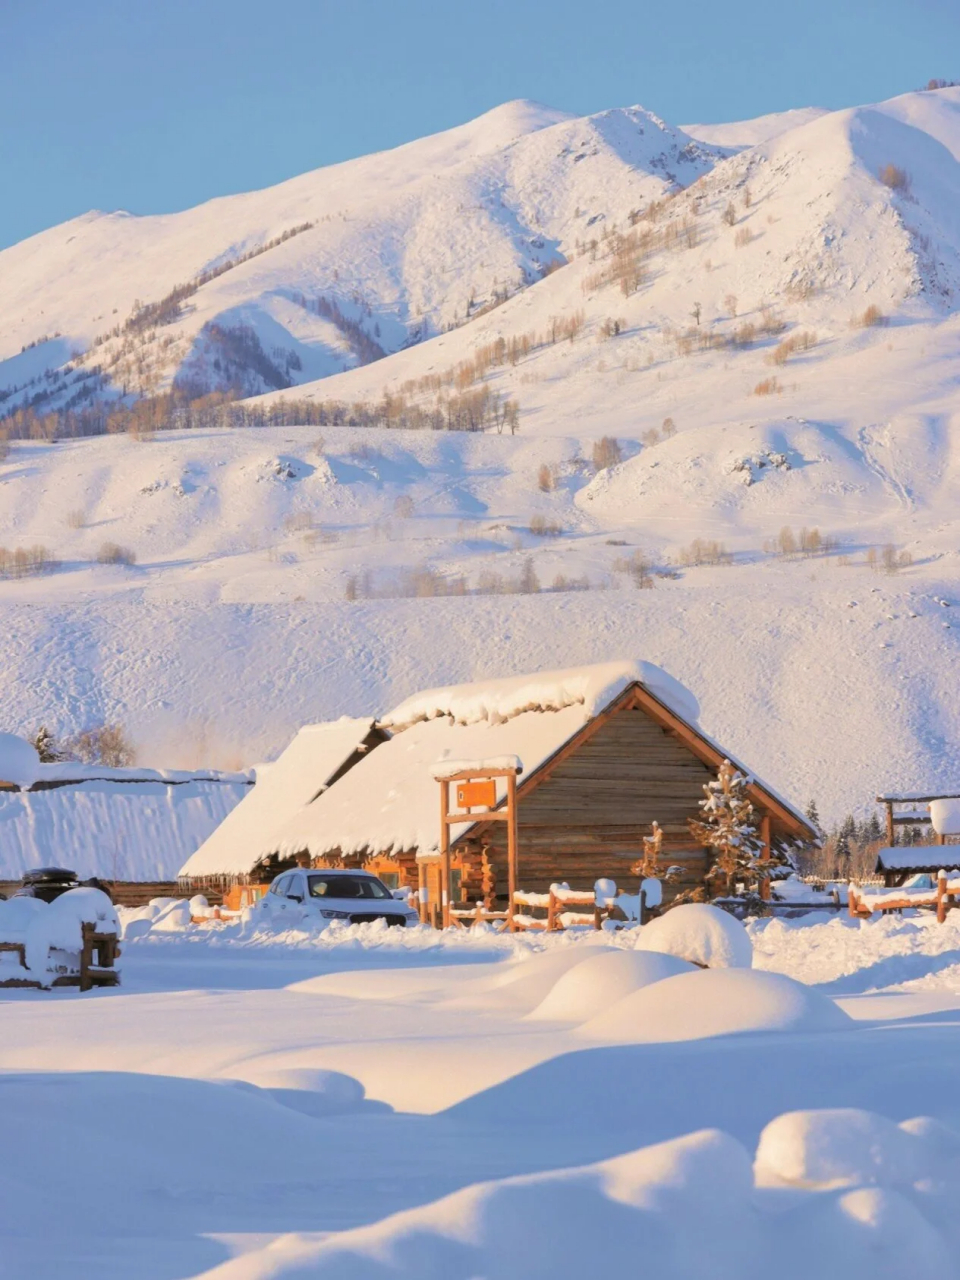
(476, 802)
(421, 890)
(511, 843)
(444, 853)
(765, 856)
(891, 833)
(941, 896)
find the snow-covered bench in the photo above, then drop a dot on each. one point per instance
(72, 941)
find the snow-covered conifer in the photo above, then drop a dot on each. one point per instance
(728, 828)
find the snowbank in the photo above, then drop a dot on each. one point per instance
(700, 933)
(851, 956)
(824, 1150)
(640, 1206)
(600, 981)
(19, 761)
(591, 687)
(714, 1002)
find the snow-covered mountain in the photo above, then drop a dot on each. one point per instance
(763, 316)
(379, 252)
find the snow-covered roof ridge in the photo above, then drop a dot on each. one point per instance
(496, 701)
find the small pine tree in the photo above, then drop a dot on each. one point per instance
(813, 813)
(846, 835)
(46, 745)
(728, 829)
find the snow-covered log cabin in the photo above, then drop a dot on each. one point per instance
(606, 751)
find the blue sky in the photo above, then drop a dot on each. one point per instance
(156, 106)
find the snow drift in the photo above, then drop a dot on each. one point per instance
(700, 933)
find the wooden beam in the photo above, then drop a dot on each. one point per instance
(444, 853)
(511, 843)
(765, 852)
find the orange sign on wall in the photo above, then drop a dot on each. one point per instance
(476, 795)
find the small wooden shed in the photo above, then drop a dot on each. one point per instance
(606, 751)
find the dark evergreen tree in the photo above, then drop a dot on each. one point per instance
(46, 745)
(845, 837)
(813, 813)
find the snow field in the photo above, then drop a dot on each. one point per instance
(232, 630)
(471, 1105)
(892, 1217)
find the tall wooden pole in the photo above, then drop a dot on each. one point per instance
(765, 856)
(421, 890)
(511, 843)
(444, 854)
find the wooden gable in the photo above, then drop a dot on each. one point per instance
(583, 814)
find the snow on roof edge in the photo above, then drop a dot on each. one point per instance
(594, 687)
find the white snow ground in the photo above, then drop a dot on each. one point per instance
(245, 1094)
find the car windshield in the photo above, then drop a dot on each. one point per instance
(347, 887)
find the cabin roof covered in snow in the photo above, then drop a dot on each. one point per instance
(592, 688)
(389, 801)
(917, 857)
(304, 769)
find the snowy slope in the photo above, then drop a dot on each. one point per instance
(404, 243)
(237, 624)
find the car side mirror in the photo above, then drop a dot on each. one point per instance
(295, 897)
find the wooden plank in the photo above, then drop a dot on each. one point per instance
(512, 841)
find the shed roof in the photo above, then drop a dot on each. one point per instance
(389, 801)
(304, 769)
(917, 857)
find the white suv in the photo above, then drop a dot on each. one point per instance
(355, 897)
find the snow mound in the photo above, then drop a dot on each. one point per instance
(592, 687)
(702, 934)
(846, 1147)
(313, 1090)
(521, 986)
(945, 817)
(602, 980)
(716, 1002)
(19, 761)
(639, 1205)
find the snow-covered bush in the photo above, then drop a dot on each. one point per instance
(700, 933)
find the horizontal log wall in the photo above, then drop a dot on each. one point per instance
(588, 819)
